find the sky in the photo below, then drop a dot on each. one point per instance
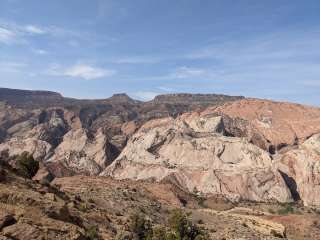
(93, 49)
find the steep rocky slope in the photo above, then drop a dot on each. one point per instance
(86, 208)
(301, 169)
(212, 144)
(250, 149)
(243, 168)
(81, 136)
(192, 153)
(272, 125)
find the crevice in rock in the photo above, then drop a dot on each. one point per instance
(281, 146)
(7, 221)
(272, 149)
(112, 152)
(154, 148)
(292, 185)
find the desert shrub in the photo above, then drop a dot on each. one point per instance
(4, 157)
(92, 233)
(83, 207)
(179, 228)
(123, 235)
(199, 197)
(140, 226)
(200, 221)
(270, 210)
(26, 165)
(286, 209)
(201, 201)
(182, 228)
(201, 237)
(158, 233)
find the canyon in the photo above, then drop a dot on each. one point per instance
(176, 149)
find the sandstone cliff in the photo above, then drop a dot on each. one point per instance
(208, 144)
(272, 125)
(192, 153)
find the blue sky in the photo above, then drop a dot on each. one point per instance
(92, 49)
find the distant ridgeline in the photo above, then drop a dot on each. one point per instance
(30, 99)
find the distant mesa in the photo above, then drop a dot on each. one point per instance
(23, 98)
(31, 99)
(194, 98)
(6, 93)
(122, 97)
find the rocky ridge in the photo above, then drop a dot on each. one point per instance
(194, 154)
(244, 168)
(237, 148)
(86, 208)
(79, 136)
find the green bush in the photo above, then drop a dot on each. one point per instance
(179, 228)
(26, 165)
(92, 233)
(182, 228)
(140, 226)
(158, 233)
(270, 210)
(286, 209)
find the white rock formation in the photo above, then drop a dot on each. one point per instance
(39, 149)
(301, 169)
(189, 152)
(81, 153)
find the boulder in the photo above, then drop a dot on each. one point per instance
(43, 176)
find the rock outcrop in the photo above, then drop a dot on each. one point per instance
(301, 170)
(83, 153)
(191, 152)
(234, 148)
(266, 227)
(270, 125)
(73, 136)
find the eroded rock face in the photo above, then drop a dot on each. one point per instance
(56, 138)
(301, 170)
(190, 152)
(43, 175)
(38, 135)
(16, 146)
(47, 125)
(223, 150)
(270, 124)
(83, 153)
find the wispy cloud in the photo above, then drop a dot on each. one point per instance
(182, 73)
(277, 46)
(32, 29)
(13, 33)
(12, 67)
(6, 36)
(83, 71)
(287, 56)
